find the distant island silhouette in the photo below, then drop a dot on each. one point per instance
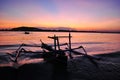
(63, 29)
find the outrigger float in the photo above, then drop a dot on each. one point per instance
(54, 52)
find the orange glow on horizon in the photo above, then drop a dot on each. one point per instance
(77, 14)
(79, 23)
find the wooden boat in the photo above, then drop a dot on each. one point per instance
(26, 32)
(55, 53)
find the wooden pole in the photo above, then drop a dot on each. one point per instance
(70, 45)
(58, 43)
(55, 42)
(69, 41)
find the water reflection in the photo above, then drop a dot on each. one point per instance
(94, 43)
(5, 61)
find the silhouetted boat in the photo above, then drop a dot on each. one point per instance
(50, 54)
(26, 32)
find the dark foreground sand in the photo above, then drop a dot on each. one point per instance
(108, 68)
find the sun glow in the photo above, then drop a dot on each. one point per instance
(78, 14)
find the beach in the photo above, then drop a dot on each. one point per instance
(59, 39)
(80, 68)
(108, 68)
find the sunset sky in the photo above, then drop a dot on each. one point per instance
(78, 14)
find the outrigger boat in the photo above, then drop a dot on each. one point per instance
(54, 52)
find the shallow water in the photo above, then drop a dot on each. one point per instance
(94, 43)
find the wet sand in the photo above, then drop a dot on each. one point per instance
(108, 68)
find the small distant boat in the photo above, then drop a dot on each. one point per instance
(26, 32)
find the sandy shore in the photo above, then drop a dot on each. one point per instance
(108, 68)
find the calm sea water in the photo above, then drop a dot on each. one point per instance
(94, 43)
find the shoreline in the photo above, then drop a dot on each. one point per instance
(78, 69)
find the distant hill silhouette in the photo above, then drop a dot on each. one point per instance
(23, 28)
(58, 29)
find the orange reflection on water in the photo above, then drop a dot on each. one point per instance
(22, 62)
(27, 61)
(93, 42)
